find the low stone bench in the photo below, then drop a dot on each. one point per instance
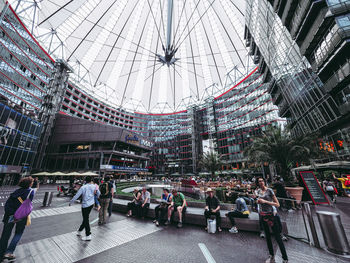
(195, 216)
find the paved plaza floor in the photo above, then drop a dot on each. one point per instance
(52, 238)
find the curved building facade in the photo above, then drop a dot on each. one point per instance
(124, 141)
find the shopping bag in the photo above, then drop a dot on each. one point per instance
(25, 209)
(211, 226)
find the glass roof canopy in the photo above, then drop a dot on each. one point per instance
(149, 55)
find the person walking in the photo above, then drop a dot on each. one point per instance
(12, 204)
(345, 182)
(97, 203)
(267, 199)
(87, 192)
(107, 191)
(110, 206)
(329, 187)
(36, 184)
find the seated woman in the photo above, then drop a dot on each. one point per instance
(241, 211)
(162, 209)
(134, 203)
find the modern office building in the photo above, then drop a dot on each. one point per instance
(79, 145)
(166, 142)
(302, 48)
(25, 70)
(223, 113)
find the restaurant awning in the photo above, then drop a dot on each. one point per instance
(89, 174)
(42, 173)
(324, 166)
(58, 174)
(74, 174)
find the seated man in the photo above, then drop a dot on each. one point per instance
(161, 210)
(241, 211)
(212, 208)
(178, 204)
(145, 203)
(136, 201)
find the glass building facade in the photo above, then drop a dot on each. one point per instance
(302, 50)
(292, 83)
(25, 71)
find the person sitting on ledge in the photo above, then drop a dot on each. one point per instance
(212, 207)
(136, 201)
(161, 210)
(241, 211)
(145, 202)
(178, 204)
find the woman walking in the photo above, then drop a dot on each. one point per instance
(267, 200)
(12, 204)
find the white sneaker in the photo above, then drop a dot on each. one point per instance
(271, 259)
(233, 230)
(86, 238)
(79, 233)
(262, 234)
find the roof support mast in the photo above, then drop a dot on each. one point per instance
(168, 58)
(169, 25)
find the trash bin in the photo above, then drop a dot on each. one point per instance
(333, 232)
(47, 198)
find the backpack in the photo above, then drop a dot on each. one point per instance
(347, 183)
(329, 187)
(25, 208)
(104, 189)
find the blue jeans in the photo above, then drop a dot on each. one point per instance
(6, 234)
(96, 200)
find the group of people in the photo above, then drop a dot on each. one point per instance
(330, 186)
(169, 202)
(95, 193)
(267, 204)
(100, 194)
(268, 217)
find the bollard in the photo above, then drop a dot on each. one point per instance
(47, 198)
(312, 225)
(333, 232)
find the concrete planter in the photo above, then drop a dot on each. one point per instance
(296, 192)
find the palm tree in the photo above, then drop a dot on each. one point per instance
(278, 147)
(211, 161)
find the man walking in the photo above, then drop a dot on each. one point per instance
(107, 191)
(87, 192)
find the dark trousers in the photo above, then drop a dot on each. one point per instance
(160, 212)
(6, 234)
(331, 195)
(86, 224)
(132, 206)
(233, 214)
(208, 213)
(276, 230)
(143, 210)
(110, 207)
(104, 202)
